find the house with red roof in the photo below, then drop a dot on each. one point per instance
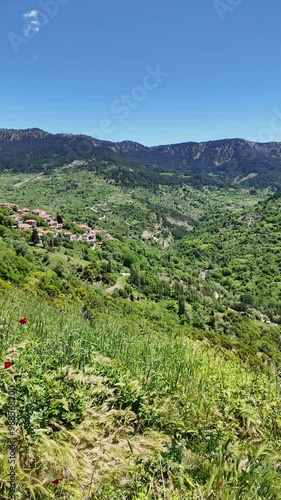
(39, 212)
(70, 236)
(32, 222)
(24, 227)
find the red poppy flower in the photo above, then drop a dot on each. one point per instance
(7, 364)
(23, 321)
(57, 481)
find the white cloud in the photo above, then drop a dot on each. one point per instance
(33, 22)
(32, 14)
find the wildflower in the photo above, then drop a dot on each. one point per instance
(7, 364)
(57, 481)
(23, 321)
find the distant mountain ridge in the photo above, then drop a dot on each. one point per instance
(228, 160)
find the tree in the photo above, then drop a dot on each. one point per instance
(59, 269)
(135, 277)
(59, 219)
(181, 304)
(34, 239)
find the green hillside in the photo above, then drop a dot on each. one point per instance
(225, 162)
(149, 364)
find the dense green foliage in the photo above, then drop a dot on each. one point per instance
(227, 162)
(220, 422)
(149, 364)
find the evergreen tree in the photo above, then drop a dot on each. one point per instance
(34, 239)
(181, 304)
(59, 219)
(134, 278)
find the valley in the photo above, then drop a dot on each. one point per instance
(149, 363)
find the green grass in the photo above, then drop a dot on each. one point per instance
(118, 393)
(150, 385)
(74, 191)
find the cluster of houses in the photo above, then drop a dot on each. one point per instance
(21, 222)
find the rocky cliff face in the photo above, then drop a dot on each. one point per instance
(216, 153)
(16, 135)
(255, 164)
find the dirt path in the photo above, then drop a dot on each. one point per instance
(117, 286)
(121, 281)
(203, 274)
(27, 181)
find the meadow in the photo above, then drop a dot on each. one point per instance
(128, 406)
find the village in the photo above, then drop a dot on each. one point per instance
(24, 221)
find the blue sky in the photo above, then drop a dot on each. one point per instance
(155, 72)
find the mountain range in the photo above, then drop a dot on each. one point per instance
(226, 161)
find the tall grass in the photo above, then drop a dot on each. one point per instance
(109, 393)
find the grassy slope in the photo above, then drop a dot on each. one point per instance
(104, 394)
(73, 192)
(96, 398)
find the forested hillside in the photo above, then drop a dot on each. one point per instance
(223, 163)
(147, 365)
